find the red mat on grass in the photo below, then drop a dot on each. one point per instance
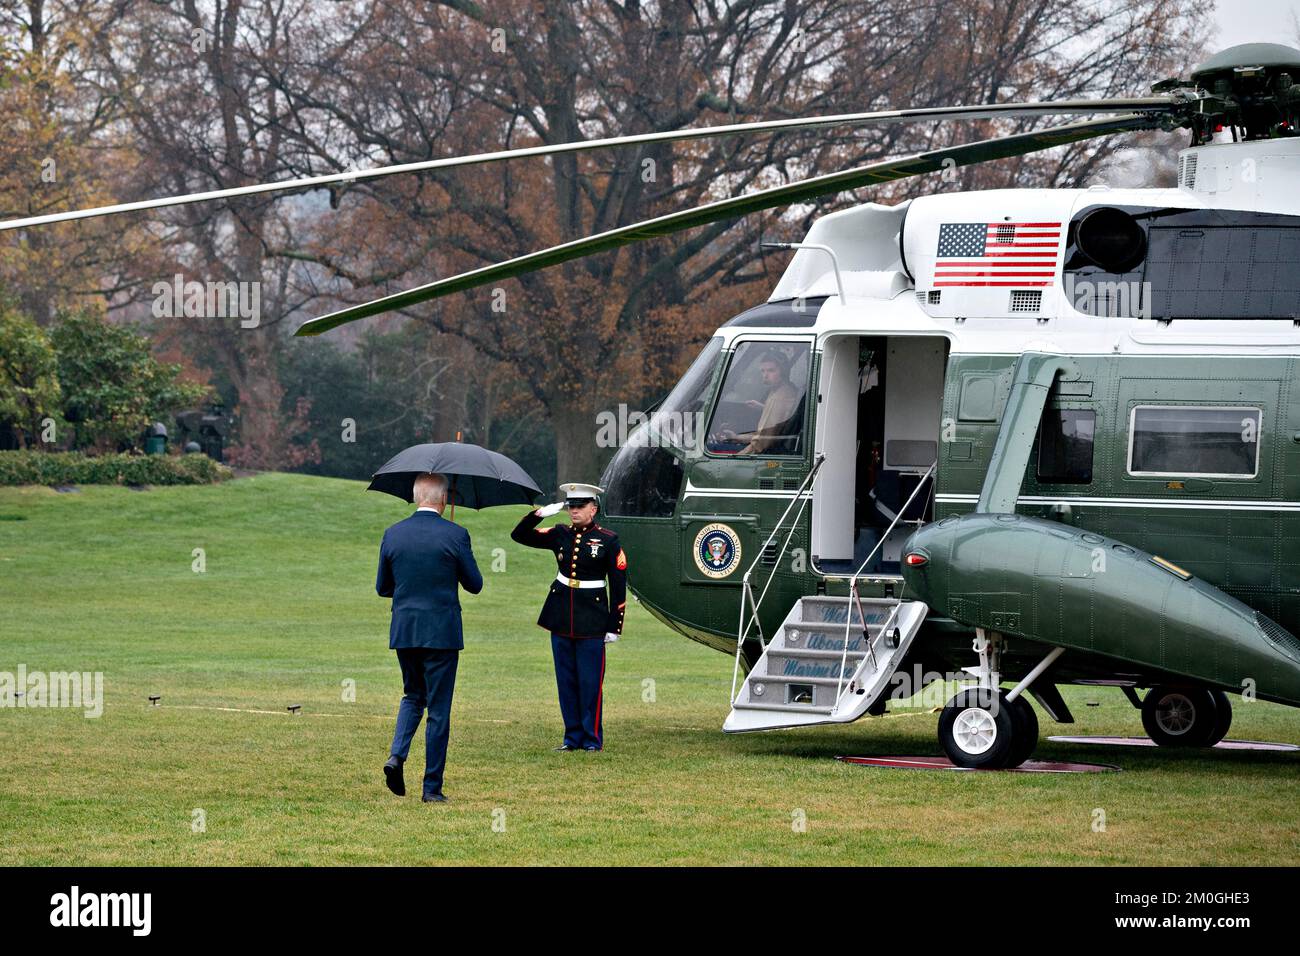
(1148, 742)
(943, 763)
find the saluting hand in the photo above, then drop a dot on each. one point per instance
(549, 510)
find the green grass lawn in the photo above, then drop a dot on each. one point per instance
(286, 613)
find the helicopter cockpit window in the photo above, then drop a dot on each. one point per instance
(643, 482)
(761, 408)
(679, 421)
(644, 478)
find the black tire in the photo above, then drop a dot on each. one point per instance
(975, 731)
(1222, 719)
(1025, 729)
(1179, 716)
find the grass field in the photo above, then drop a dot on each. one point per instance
(285, 613)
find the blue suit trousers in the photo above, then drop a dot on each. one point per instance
(428, 680)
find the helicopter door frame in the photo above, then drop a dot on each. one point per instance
(832, 523)
(912, 434)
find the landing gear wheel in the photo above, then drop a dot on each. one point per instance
(1222, 719)
(1179, 716)
(976, 730)
(1024, 733)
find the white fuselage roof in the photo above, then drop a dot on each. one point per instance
(886, 258)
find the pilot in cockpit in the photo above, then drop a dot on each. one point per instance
(776, 408)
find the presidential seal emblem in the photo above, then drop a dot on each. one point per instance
(717, 550)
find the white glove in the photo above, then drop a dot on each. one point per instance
(610, 637)
(549, 510)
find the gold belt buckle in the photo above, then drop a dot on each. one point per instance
(573, 582)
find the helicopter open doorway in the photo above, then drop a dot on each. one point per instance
(879, 427)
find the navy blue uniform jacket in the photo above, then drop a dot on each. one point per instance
(421, 560)
(592, 554)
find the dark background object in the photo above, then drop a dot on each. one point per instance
(208, 429)
(155, 439)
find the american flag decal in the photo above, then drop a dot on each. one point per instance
(1021, 254)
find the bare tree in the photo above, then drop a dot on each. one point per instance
(205, 116)
(61, 149)
(222, 93)
(404, 80)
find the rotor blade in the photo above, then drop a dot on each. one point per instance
(1149, 104)
(978, 152)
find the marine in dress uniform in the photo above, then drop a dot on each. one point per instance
(580, 615)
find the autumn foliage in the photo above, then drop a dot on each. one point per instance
(145, 99)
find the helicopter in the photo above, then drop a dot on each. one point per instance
(1025, 437)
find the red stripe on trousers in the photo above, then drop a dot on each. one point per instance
(600, 694)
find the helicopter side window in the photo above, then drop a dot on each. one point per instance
(1065, 443)
(1179, 440)
(761, 408)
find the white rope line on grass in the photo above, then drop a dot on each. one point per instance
(478, 720)
(248, 710)
(305, 713)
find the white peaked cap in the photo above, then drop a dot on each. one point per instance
(574, 490)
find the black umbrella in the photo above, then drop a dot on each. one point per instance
(478, 478)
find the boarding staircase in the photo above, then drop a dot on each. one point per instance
(830, 662)
(832, 658)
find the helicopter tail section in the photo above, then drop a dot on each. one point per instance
(829, 663)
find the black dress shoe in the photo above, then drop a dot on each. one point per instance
(592, 750)
(434, 798)
(393, 776)
(564, 748)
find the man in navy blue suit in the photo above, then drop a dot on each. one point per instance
(421, 562)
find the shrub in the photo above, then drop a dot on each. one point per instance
(29, 386)
(74, 468)
(113, 387)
